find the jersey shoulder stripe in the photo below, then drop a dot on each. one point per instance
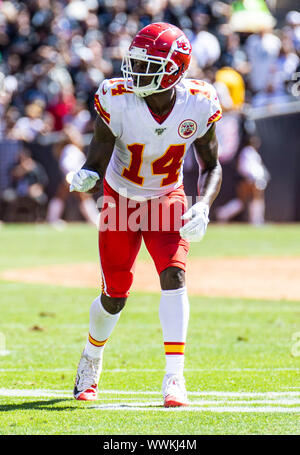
(215, 117)
(206, 91)
(114, 87)
(110, 105)
(100, 110)
(201, 91)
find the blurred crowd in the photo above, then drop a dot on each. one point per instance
(55, 53)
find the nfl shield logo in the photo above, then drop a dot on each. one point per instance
(159, 131)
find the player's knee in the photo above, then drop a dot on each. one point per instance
(172, 278)
(113, 305)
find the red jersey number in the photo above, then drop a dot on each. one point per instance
(168, 164)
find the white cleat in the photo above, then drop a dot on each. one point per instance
(87, 378)
(174, 391)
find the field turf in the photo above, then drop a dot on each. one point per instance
(242, 355)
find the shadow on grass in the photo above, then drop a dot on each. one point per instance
(42, 405)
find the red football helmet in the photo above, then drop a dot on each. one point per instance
(166, 53)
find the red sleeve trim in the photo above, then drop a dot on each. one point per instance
(214, 118)
(103, 114)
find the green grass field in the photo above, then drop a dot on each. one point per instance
(242, 356)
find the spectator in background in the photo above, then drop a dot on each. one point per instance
(233, 81)
(262, 50)
(70, 159)
(34, 122)
(293, 28)
(26, 196)
(81, 117)
(233, 54)
(285, 65)
(238, 150)
(5, 100)
(206, 47)
(61, 107)
(252, 180)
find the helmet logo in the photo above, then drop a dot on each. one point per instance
(187, 128)
(138, 51)
(183, 45)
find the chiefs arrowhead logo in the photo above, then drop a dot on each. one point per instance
(187, 128)
(183, 45)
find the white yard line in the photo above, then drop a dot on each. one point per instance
(214, 409)
(141, 370)
(241, 370)
(271, 397)
(130, 401)
(28, 393)
(274, 402)
(247, 394)
(32, 370)
(249, 402)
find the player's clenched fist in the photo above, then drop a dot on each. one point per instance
(84, 180)
(195, 228)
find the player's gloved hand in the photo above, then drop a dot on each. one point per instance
(194, 230)
(84, 180)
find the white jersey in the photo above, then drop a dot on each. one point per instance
(147, 159)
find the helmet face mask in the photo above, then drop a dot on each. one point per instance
(156, 60)
(154, 69)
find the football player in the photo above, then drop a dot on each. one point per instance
(146, 122)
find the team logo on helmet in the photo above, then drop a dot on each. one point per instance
(187, 128)
(183, 45)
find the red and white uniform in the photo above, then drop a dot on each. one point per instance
(148, 157)
(147, 161)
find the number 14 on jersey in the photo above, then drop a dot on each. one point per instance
(168, 164)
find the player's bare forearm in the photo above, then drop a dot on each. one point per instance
(100, 149)
(210, 177)
(209, 184)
